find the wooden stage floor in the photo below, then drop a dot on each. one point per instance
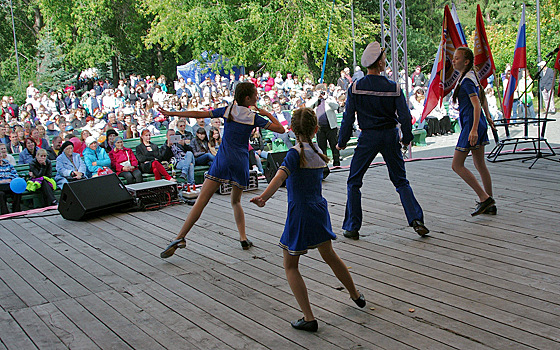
(489, 282)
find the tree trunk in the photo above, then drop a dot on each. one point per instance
(38, 20)
(115, 68)
(159, 59)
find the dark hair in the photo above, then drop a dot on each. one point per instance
(468, 54)
(242, 90)
(200, 142)
(35, 143)
(304, 122)
(211, 140)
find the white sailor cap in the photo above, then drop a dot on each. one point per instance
(372, 52)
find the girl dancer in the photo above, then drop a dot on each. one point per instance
(473, 136)
(308, 224)
(231, 164)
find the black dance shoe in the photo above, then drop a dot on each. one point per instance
(303, 325)
(352, 234)
(170, 250)
(361, 301)
(492, 210)
(482, 206)
(419, 228)
(246, 244)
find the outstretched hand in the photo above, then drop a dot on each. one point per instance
(164, 112)
(258, 201)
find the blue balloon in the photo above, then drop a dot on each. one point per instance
(18, 185)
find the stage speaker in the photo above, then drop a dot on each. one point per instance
(273, 162)
(88, 198)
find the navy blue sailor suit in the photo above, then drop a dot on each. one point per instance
(380, 105)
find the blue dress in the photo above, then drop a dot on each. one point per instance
(231, 164)
(308, 223)
(469, 87)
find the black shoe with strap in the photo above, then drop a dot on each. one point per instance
(170, 250)
(482, 206)
(303, 325)
(492, 210)
(361, 301)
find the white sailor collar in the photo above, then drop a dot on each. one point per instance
(470, 75)
(240, 114)
(314, 161)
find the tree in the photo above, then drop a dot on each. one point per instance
(51, 73)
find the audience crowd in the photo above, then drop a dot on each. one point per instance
(83, 129)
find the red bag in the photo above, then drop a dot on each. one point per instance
(104, 171)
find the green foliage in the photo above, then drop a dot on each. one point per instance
(51, 74)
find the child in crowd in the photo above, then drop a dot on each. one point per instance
(231, 164)
(308, 224)
(474, 125)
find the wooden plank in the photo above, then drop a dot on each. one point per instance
(36, 330)
(9, 300)
(65, 330)
(11, 334)
(165, 310)
(102, 335)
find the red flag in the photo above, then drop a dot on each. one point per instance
(443, 77)
(519, 61)
(483, 60)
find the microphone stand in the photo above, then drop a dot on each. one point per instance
(538, 151)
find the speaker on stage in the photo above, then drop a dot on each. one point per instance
(273, 162)
(85, 199)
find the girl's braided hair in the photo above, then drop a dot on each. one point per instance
(468, 54)
(304, 122)
(242, 90)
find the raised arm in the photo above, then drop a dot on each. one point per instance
(187, 114)
(275, 126)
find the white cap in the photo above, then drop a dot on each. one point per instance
(90, 140)
(371, 54)
(541, 64)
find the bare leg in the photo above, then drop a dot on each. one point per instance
(209, 187)
(297, 284)
(238, 213)
(339, 268)
(480, 164)
(458, 166)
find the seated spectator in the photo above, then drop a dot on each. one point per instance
(4, 154)
(5, 134)
(79, 145)
(124, 162)
(200, 123)
(165, 151)
(95, 157)
(7, 174)
(256, 151)
(148, 155)
(79, 120)
(285, 118)
(132, 131)
(69, 165)
(201, 151)
(109, 142)
(40, 176)
(56, 143)
(215, 140)
(28, 154)
(91, 127)
(15, 146)
(51, 132)
(184, 157)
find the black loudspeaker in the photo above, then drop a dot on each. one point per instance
(273, 162)
(85, 199)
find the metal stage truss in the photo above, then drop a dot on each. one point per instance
(393, 38)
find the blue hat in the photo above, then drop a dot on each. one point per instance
(49, 122)
(69, 128)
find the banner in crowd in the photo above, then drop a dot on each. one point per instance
(519, 61)
(483, 60)
(443, 77)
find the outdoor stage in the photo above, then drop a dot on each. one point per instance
(489, 282)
